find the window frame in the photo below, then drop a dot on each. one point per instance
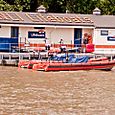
(14, 32)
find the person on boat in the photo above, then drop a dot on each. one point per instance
(85, 41)
(62, 46)
(47, 44)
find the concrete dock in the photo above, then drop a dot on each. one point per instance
(13, 58)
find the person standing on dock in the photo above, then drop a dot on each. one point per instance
(62, 46)
(61, 41)
(47, 44)
(85, 41)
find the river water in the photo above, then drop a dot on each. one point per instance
(28, 92)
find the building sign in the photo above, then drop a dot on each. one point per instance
(10, 16)
(61, 19)
(38, 17)
(104, 32)
(111, 38)
(39, 34)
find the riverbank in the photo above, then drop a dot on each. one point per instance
(30, 92)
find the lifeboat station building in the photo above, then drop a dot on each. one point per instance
(20, 28)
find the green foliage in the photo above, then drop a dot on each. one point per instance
(14, 5)
(82, 6)
(57, 6)
(108, 6)
(19, 5)
(60, 6)
(5, 6)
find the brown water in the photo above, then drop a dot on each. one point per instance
(27, 92)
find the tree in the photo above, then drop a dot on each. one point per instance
(16, 5)
(21, 5)
(34, 4)
(60, 6)
(5, 6)
(82, 6)
(108, 7)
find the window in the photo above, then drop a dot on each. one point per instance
(39, 27)
(104, 32)
(14, 32)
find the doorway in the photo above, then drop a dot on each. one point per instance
(77, 37)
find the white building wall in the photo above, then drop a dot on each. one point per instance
(55, 34)
(23, 33)
(5, 31)
(52, 33)
(99, 39)
(102, 39)
(111, 33)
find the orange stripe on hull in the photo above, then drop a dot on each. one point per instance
(104, 46)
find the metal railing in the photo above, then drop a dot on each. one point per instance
(22, 47)
(10, 51)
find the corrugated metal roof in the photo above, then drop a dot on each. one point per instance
(63, 19)
(44, 18)
(103, 21)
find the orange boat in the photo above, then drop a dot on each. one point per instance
(27, 63)
(59, 63)
(35, 64)
(100, 65)
(43, 64)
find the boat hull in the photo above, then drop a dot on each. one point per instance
(107, 65)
